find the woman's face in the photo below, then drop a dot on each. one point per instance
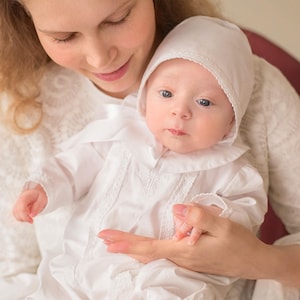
(108, 41)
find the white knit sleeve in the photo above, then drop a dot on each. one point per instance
(271, 127)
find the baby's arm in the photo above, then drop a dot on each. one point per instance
(30, 203)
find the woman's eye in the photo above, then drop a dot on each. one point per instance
(119, 20)
(204, 102)
(165, 94)
(65, 40)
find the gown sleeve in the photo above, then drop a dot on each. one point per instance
(67, 176)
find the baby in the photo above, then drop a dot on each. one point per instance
(181, 145)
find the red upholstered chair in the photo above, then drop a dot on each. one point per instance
(272, 227)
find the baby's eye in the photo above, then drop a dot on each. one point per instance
(165, 94)
(203, 102)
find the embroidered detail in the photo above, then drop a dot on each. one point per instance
(179, 195)
(106, 202)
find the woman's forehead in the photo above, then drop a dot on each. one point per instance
(58, 14)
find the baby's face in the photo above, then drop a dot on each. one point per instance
(186, 109)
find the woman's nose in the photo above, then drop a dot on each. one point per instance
(99, 53)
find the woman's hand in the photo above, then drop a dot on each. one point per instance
(224, 248)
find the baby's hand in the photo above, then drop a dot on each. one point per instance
(183, 230)
(29, 204)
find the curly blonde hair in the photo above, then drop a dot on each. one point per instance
(23, 60)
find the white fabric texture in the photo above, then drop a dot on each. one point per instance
(270, 127)
(273, 290)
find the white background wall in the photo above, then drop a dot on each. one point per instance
(279, 20)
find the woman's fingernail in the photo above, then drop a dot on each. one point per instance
(180, 210)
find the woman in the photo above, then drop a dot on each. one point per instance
(108, 43)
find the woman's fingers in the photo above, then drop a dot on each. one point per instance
(147, 249)
(142, 248)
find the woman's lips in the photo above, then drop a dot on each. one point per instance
(115, 75)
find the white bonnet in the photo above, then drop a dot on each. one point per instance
(219, 46)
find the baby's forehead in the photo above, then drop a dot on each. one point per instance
(176, 69)
(173, 67)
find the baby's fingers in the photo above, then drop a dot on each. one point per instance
(22, 214)
(182, 230)
(29, 204)
(37, 207)
(194, 236)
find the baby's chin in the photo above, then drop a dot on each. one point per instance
(180, 147)
(181, 144)
(183, 151)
